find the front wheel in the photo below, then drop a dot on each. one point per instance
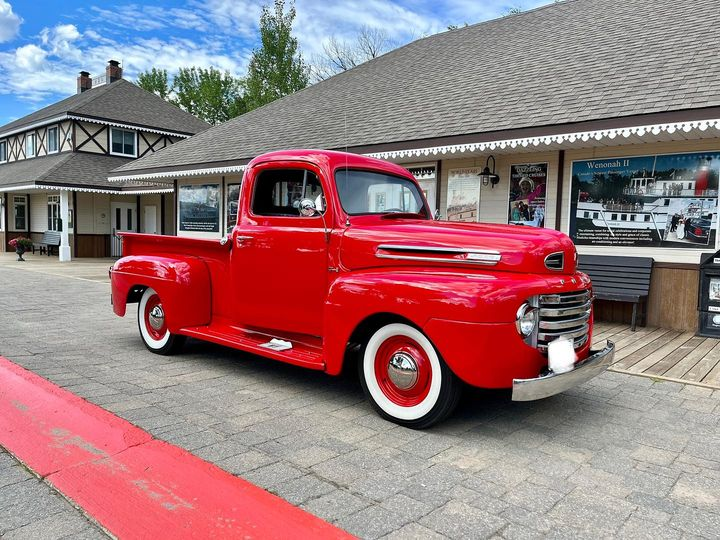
(405, 379)
(153, 327)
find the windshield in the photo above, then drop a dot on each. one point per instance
(365, 192)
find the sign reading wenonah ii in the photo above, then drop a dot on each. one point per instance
(662, 201)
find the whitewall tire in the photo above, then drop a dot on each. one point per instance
(405, 378)
(153, 327)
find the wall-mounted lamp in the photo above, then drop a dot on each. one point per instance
(488, 177)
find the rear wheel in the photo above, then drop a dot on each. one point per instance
(405, 378)
(153, 327)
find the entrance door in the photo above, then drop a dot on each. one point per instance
(124, 219)
(150, 220)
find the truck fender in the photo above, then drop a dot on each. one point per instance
(358, 297)
(182, 282)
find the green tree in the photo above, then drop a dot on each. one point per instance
(276, 68)
(209, 94)
(155, 81)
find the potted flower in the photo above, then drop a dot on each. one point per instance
(21, 245)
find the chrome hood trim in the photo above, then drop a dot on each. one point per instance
(403, 252)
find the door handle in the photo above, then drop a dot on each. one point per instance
(241, 240)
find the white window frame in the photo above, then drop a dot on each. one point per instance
(30, 137)
(113, 130)
(4, 145)
(57, 139)
(54, 222)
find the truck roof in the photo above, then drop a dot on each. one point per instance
(331, 160)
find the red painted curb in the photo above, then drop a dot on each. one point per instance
(133, 485)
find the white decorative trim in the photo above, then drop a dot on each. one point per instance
(179, 174)
(36, 125)
(128, 126)
(522, 143)
(547, 140)
(114, 191)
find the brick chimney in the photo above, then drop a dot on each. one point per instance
(113, 72)
(84, 82)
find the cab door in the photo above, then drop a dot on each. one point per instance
(280, 257)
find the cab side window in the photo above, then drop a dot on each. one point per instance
(279, 192)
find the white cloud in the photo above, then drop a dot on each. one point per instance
(205, 33)
(29, 57)
(9, 22)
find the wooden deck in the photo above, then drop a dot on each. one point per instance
(663, 354)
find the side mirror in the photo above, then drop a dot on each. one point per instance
(307, 208)
(436, 216)
(225, 239)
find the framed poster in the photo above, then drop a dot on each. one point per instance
(426, 177)
(200, 208)
(231, 203)
(463, 196)
(528, 183)
(667, 201)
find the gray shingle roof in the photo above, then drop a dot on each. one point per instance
(573, 61)
(64, 169)
(121, 101)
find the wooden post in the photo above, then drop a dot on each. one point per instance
(64, 251)
(559, 193)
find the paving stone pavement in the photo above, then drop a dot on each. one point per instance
(621, 456)
(30, 509)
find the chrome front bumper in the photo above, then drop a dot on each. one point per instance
(551, 384)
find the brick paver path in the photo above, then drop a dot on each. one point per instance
(620, 456)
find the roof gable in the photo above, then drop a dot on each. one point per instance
(122, 102)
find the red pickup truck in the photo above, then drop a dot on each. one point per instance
(336, 260)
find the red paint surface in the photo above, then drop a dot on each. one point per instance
(322, 278)
(133, 485)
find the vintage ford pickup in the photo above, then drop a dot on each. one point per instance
(336, 260)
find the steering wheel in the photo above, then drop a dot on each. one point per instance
(394, 210)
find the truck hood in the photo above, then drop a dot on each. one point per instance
(376, 242)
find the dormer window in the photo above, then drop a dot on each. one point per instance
(30, 145)
(52, 140)
(3, 151)
(122, 142)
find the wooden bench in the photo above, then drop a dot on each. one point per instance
(49, 240)
(619, 279)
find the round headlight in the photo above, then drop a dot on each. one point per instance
(525, 321)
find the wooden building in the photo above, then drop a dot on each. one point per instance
(54, 165)
(601, 119)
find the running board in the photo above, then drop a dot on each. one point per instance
(291, 351)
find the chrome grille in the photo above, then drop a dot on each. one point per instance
(564, 314)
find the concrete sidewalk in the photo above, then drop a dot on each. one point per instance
(621, 456)
(84, 269)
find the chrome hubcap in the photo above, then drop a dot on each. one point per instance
(403, 370)
(156, 318)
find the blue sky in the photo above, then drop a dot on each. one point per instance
(44, 44)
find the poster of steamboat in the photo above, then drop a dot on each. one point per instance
(662, 201)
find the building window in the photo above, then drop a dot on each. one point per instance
(122, 142)
(30, 145)
(3, 151)
(613, 217)
(647, 217)
(52, 138)
(54, 223)
(20, 212)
